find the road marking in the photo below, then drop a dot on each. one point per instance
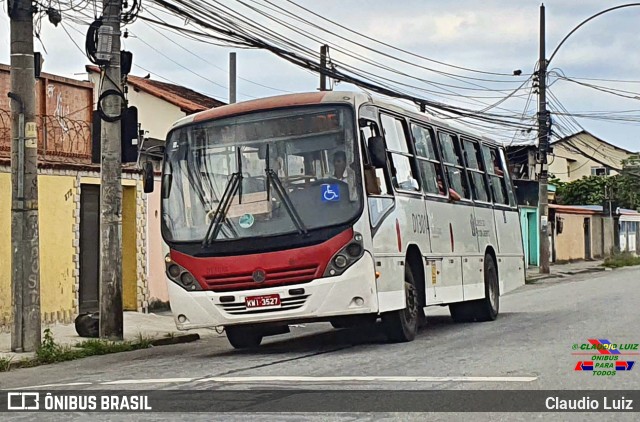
(147, 381)
(364, 379)
(69, 384)
(299, 379)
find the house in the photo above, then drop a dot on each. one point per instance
(159, 104)
(68, 203)
(69, 191)
(583, 154)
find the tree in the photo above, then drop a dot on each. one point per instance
(623, 189)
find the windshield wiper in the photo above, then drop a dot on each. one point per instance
(223, 208)
(272, 178)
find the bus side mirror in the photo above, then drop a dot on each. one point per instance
(377, 152)
(148, 177)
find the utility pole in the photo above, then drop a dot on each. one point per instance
(25, 257)
(543, 146)
(232, 78)
(323, 67)
(111, 317)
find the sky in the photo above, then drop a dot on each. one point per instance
(490, 36)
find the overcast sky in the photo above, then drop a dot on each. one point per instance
(493, 36)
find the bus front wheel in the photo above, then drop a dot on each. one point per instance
(243, 337)
(483, 309)
(402, 325)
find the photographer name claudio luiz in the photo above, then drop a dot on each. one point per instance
(587, 403)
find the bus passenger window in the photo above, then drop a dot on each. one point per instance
(428, 162)
(451, 158)
(401, 161)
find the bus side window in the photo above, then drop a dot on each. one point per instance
(452, 160)
(475, 170)
(401, 160)
(428, 162)
(496, 175)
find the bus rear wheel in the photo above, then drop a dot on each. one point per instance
(243, 337)
(483, 309)
(402, 325)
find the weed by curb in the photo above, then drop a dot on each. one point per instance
(623, 259)
(52, 352)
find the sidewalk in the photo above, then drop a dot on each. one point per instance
(160, 328)
(565, 270)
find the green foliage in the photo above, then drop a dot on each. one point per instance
(623, 259)
(52, 352)
(623, 189)
(5, 364)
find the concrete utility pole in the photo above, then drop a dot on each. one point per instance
(232, 78)
(543, 145)
(323, 67)
(111, 317)
(25, 257)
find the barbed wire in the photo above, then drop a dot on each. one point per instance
(59, 138)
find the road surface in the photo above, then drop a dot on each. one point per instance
(529, 347)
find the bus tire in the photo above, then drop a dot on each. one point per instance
(485, 309)
(243, 337)
(402, 325)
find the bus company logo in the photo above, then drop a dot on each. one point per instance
(259, 276)
(606, 357)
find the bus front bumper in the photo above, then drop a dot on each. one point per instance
(352, 293)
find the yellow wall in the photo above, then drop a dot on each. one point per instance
(570, 243)
(57, 234)
(56, 197)
(129, 250)
(5, 248)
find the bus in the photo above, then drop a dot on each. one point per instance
(333, 207)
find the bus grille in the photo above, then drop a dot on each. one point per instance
(287, 304)
(274, 277)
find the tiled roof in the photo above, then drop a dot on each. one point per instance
(187, 99)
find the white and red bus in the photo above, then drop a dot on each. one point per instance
(333, 206)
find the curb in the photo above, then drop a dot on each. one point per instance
(162, 341)
(566, 274)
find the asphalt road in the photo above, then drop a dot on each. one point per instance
(529, 347)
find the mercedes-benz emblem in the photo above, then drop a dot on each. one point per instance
(259, 276)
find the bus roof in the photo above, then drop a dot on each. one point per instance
(314, 98)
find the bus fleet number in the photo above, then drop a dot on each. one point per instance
(419, 223)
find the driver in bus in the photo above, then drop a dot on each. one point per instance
(340, 166)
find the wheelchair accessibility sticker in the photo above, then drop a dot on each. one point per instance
(330, 193)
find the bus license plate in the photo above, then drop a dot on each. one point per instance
(266, 301)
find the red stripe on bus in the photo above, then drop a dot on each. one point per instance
(261, 104)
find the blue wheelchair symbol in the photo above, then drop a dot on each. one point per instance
(330, 193)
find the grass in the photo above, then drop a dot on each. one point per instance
(52, 352)
(5, 364)
(623, 259)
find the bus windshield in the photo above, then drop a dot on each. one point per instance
(261, 174)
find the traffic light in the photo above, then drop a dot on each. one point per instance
(129, 136)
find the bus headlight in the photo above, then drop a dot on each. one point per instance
(345, 257)
(340, 261)
(180, 275)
